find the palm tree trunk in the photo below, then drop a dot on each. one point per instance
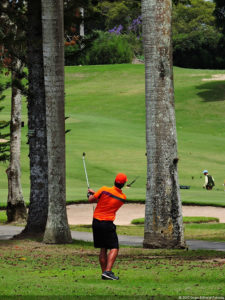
(163, 214)
(37, 139)
(57, 229)
(16, 210)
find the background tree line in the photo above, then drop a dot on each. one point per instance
(113, 34)
(197, 40)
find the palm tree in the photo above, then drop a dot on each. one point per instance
(16, 209)
(163, 214)
(12, 39)
(57, 229)
(37, 139)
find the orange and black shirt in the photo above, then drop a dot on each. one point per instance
(110, 199)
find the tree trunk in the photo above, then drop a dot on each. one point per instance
(38, 208)
(16, 209)
(57, 229)
(163, 214)
(82, 23)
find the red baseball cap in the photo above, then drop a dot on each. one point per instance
(121, 178)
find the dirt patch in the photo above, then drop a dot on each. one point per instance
(215, 77)
(137, 61)
(75, 75)
(216, 260)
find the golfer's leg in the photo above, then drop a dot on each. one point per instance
(103, 259)
(111, 258)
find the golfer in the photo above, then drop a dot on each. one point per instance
(109, 200)
(209, 181)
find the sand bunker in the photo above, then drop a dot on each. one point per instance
(82, 213)
(3, 141)
(215, 77)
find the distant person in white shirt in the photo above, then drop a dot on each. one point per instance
(209, 181)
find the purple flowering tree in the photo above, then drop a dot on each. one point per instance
(116, 30)
(133, 33)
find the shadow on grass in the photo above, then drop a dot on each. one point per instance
(212, 91)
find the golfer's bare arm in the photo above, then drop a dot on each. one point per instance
(91, 198)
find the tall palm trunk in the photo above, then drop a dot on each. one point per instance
(16, 210)
(163, 214)
(57, 229)
(38, 208)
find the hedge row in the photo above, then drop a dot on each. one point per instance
(190, 51)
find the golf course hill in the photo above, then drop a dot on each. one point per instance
(105, 106)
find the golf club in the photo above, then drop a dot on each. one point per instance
(85, 170)
(132, 182)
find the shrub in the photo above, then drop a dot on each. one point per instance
(109, 48)
(74, 55)
(136, 44)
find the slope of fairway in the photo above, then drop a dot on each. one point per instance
(106, 110)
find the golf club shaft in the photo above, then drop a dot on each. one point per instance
(85, 170)
(132, 182)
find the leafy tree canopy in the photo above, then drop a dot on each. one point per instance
(195, 16)
(194, 25)
(219, 14)
(104, 15)
(196, 39)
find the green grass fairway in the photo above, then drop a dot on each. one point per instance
(106, 110)
(33, 269)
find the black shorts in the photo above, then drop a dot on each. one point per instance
(104, 234)
(209, 187)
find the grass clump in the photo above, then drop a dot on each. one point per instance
(141, 221)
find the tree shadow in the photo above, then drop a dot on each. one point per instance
(212, 91)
